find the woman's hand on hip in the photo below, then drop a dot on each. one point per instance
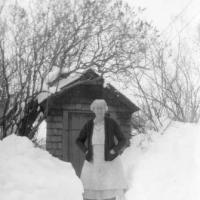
(112, 151)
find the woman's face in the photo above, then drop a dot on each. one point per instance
(99, 110)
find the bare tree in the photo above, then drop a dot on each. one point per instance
(105, 35)
(170, 87)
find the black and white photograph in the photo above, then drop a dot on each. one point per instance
(99, 99)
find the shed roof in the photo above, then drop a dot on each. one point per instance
(88, 77)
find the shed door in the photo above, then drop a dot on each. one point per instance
(74, 155)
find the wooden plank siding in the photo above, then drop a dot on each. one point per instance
(65, 134)
(55, 134)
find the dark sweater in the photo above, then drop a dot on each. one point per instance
(111, 129)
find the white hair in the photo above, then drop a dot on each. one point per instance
(98, 102)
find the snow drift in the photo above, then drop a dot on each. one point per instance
(29, 173)
(169, 169)
(166, 167)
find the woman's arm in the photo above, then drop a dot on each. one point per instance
(80, 140)
(122, 141)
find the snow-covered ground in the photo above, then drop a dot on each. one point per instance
(42, 129)
(29, 173)
(157, 167)
(168, 167)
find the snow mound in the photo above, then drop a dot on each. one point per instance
(29, 173)
(170, 168)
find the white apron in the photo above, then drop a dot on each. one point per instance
(102, 179)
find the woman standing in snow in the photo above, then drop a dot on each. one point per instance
(102, 173)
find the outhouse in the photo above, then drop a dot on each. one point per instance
(69, 109)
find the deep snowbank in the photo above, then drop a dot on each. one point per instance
(169, 169)
(28, 173)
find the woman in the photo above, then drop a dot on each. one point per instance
(102, 173)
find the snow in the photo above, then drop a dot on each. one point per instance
(168, 167)
(71, 78)
(29, 173)
(164, 165)
(42, 130)
(42, 96)
(47, 91)
(40, 136)
(53, 74)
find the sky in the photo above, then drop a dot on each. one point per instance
(171, 17)
(162, 12)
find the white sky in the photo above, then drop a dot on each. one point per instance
(185, 15)
(160, 11)
(173, 18)
(163, 12)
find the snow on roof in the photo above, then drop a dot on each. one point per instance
(56, 72)
(71, 78)
(90, 74)
(42, 96)
(53, 74)
(57, 86)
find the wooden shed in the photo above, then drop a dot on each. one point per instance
(69, 109)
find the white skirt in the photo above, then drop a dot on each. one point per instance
(103, 179)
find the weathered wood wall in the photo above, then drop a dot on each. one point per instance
(55, 133)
